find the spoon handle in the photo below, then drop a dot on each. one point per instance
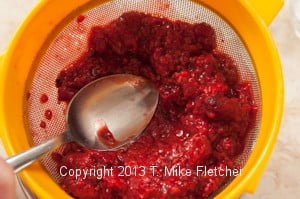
(25, 158)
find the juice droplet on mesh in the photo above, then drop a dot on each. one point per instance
(80, 18)
(43, 124)
(48, 114)
(43, 98)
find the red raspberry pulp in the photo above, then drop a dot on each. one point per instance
(204, 114)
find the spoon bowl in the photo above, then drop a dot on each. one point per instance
(118, 105)
(106, 114)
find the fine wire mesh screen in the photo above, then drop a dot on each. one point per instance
(71, 42)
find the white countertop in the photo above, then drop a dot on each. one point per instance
(282, 176)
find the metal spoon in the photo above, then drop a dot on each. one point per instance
(125, 103)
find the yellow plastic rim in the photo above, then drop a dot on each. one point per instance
(18, 60)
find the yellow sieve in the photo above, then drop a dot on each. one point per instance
(241, 22)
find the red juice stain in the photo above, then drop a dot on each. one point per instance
(80, 18)
(166, 6)
(163, 5)
(27, 95)
(43, 98)
(43, 124)
(48, 114)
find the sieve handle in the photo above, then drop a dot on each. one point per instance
(267, 9)
(25, 158)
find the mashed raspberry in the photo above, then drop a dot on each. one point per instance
(204, 114)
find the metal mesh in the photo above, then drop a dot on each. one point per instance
(71, 42)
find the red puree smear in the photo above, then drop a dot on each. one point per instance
(204, 114)
(106, 136)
